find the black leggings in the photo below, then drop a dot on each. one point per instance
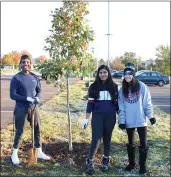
(142, 132)
(102, 126)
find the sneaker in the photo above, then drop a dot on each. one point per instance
(15, 160)
(14, 157)
(42, 155)
(105, 163)
(89, 167)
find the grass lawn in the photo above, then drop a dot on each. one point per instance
(54, 131)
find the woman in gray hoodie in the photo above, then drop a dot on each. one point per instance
(135, 107)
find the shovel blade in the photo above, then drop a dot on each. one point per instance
(32, 156)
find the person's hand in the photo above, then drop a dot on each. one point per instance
(153, 120)
(122, 126)
(84, 123)
(37, 100)
(31, 100)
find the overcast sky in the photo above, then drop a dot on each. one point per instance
(135, 27)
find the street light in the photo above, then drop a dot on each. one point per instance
(108, 34)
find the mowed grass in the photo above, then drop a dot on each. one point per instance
(54, 135)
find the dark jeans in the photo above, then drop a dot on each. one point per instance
(21, 114)
(102, 126)
(142, 132)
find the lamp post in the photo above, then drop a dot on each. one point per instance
(108, 34)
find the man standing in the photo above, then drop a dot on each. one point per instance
(25, 89)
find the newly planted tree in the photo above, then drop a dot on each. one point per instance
(67, 45)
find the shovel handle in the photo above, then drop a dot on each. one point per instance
(32, 129)
(32, 125)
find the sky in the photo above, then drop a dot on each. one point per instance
(137, 27)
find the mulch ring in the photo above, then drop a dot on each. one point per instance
(60, 154)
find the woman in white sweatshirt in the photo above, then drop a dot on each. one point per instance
(135, 107)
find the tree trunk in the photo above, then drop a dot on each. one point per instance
(69, 118)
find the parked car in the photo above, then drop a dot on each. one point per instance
(118, 74)
(113, 72)
(141, 71)
(153, 77)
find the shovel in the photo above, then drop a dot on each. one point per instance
(32, 153)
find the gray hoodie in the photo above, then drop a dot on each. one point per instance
(133, 112)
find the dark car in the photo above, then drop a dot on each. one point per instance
(118, 74)
(153, 77)
(112, 72)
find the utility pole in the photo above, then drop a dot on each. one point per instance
(108, 34)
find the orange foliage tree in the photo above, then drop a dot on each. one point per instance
(16, 57)
(42, 58)
(116, 64)
(11, 58)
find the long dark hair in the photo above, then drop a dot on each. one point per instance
(95, 87)
(133, 86)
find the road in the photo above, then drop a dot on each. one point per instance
(160, 97)
(7, 105)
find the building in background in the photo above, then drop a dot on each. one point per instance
(148, 62)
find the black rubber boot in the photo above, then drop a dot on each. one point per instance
(131, 157)
(105, 163)
(89, 167)
(142, 159)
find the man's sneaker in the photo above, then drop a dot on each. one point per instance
(14, 157)
(42, 155)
